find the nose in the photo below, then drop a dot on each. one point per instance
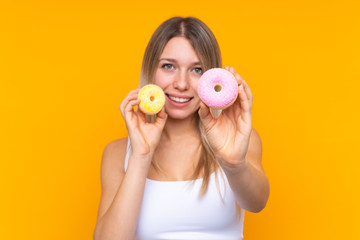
(182, 81)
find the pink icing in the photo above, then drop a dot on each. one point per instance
(207, 84)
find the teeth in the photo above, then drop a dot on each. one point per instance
(180, 100)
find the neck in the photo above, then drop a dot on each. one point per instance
(176, 130)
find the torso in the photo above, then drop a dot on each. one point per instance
(172, 210)
(177, 161)
(178, 167)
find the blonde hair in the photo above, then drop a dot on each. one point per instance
(208, 51)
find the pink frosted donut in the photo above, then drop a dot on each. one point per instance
(218, 88)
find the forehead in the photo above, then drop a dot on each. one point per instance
(180, 49)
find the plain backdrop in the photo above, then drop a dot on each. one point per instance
(65, 67)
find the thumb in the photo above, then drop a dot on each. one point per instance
(161, 116)
(204, 113)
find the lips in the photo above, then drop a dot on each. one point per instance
(179, 100)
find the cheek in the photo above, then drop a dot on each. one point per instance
(194, 84)
(161, 79)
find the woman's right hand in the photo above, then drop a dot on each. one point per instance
(144, 137)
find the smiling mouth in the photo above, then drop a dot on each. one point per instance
(179, 100)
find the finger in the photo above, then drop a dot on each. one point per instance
(130, 106)
(140, 114)
(132, 94)
(232, 112)
(128, 114)
(234, 109)
(136, 90)
(233, 72)
(246, 86)
(125, 103)
(204, 113)
(245, 89)
(237, 76)
(229, 69)
(244, 105)
(248, 92)
(129, 96)
(161, 117)
(162, 114)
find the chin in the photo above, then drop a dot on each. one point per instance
(179, 114)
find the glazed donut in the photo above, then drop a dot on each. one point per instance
(218, 89)
(152, 99)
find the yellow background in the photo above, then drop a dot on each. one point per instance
(65, 67)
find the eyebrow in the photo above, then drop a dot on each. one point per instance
(173, 60)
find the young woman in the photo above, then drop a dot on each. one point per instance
(188, 175)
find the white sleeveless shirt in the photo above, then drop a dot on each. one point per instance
(172, 210)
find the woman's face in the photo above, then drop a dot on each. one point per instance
(177, 74)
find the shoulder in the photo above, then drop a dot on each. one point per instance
(254, 153)
(114, 154)
(112, 172)
(117, 145)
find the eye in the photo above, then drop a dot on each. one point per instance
(167, 66)
(198, 70)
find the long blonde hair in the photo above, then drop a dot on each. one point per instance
(208, 51)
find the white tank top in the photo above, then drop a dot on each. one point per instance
(172, 210)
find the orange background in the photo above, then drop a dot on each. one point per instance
(65, 67)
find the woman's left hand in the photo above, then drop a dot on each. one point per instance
(229, 135)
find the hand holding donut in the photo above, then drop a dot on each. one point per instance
(144, 136)
(229, 134)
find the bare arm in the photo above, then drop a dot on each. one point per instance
(122, 195)
(248, 181)
(237, 147)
